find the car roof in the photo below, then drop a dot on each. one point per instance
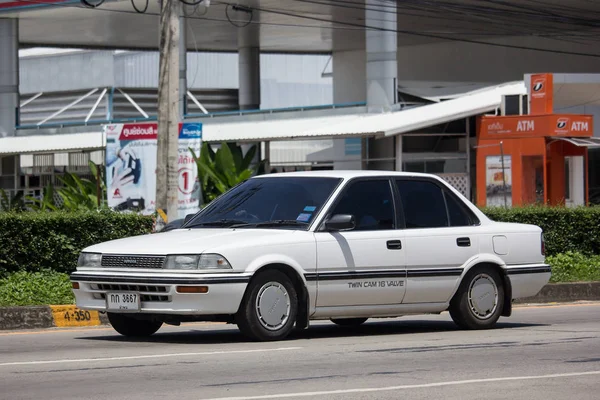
(344, 174)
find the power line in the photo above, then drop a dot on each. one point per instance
(432, 36)
(343, 24)
(415, 12)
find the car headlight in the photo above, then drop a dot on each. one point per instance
(91, 260)
(197, 262)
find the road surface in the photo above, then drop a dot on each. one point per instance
(540, 353)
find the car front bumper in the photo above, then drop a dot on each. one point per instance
(159, 292)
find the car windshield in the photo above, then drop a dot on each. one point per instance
(282, 202)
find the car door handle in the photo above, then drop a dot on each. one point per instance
(463, 242)
(394, 244)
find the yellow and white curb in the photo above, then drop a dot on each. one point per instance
(53, 316)
(71, 316)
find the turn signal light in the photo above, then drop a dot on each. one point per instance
(192, 289)
(75, 285)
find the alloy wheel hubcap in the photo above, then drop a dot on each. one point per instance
(273, 306)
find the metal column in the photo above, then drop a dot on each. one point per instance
(9, 76)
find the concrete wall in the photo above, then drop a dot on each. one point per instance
(456, 61)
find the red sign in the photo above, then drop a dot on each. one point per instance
(541, 95)
(537, 126)
(139, 131)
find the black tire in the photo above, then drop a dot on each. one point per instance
(265, 287)
(478, 313)
(349, 321)
(132, 327)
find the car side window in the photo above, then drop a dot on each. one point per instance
(456, 212)
(423, 204)
(370, 202)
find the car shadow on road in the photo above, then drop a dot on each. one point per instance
(223, 334)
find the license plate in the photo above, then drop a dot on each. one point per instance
(123, 301)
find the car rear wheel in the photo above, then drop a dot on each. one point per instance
(479, 301)
(349, 321)
(268, 311)
(130, 326)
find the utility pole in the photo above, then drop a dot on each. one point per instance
(168, 108)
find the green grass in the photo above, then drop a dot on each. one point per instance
(49, 287)
(35, 288)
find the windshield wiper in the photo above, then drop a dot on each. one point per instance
(278, 222)
(218, 223)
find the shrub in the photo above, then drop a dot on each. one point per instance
(35, 288)
(565, 229)
(574, 267)
(36, 241)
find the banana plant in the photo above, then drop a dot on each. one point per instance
(77, 193)
(46, 203)
(221, 170)
(14, 203)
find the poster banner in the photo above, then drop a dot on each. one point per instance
(131, 151)
(494, 182)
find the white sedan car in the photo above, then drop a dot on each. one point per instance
(280, 250)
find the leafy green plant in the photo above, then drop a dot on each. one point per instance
(221, 170)
(574, 267)
(46, 202)
(14, 203)
(77, 194)
(36, 288)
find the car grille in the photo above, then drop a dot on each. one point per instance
(147, 292)
(125, 261)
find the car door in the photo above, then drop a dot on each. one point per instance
(365, 265)
(441, 235)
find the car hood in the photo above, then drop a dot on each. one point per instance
(188, 241)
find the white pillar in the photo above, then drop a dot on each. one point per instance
(381, 45)
(381, 79)
(249, 67)
(398, 152)
(9, 76)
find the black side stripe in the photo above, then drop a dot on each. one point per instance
(421, 273)
(529, 270)
(156, 280)
(334, 276)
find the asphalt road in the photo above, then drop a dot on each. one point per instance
(547, 352)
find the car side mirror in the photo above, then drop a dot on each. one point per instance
(340, 222)
(188, 217)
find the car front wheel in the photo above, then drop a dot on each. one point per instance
(268, 311)
(479, 301)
